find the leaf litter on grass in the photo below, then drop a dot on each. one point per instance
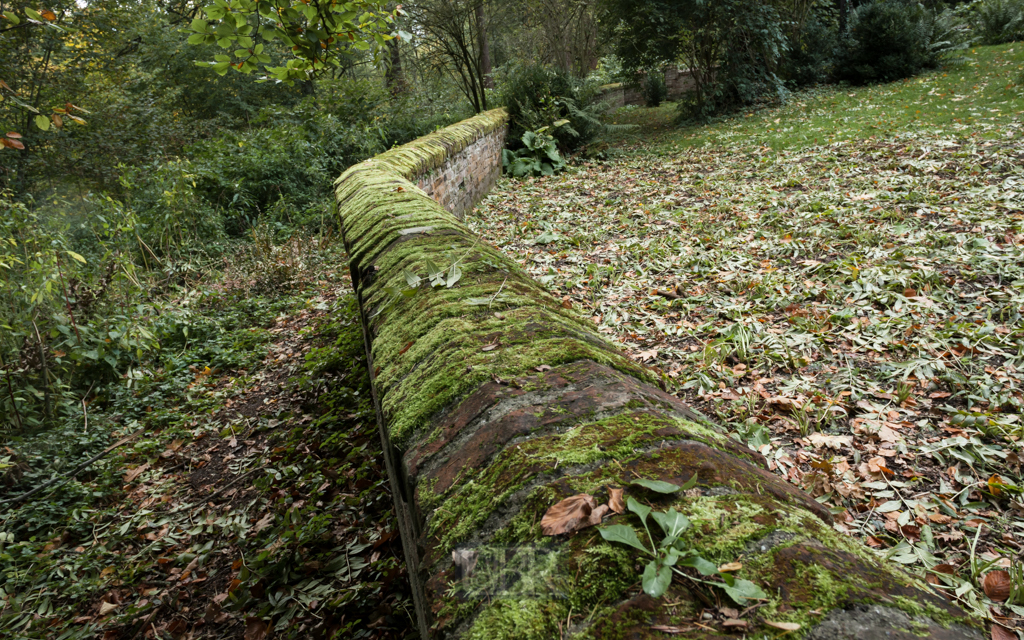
(851, 310)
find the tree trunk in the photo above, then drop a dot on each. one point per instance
(394, 79)
(485, 50)
(495, 401)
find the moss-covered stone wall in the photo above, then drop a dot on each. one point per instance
(495, 401)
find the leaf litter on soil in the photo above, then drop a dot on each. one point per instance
(851, 310)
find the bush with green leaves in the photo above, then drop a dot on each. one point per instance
(538, 157)
(998, 21)
(72, 314)
(893, 39)
(653, 88)
(732, 47)
(287, 162)
(537, 95)
(812, 51)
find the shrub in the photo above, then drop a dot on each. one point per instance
(536, 96)
(999, 21)
(287, 162)
(733, 50)
(652, 87)
(892, 39)
(538, 157)
(811, 57)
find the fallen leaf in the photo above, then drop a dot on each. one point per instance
(785, 626)
(263, 523)
(834, 442)
(212, 611)
(176, 627)
(107, 607)
(650, 354)
(615, 502)
(730, 566)
(569, 515)
(1001, 633)
(136, 472)
(997, 585)
(732, 623)
(255, 629)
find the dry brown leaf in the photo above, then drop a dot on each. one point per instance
(997, 585)
(596, 516)
(886, 434)
(255, 629)
(786, 404)
(176, 627)
(730, 566)
(1001, 633)
(569, 515)
(615, 502)
(107, 607)
(835, 442)
(664, 628)
(136, 472)
(263, 522)
(212, 611)
(741, 624)
(729, 612)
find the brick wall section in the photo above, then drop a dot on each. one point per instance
(494, 402)
(677, 81)
(467, 176)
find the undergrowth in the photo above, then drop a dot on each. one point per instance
(249, 497)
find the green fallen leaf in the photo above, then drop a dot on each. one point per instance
(657, 485)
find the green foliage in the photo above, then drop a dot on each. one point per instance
(537, 95)
(285, 165)
(70, 308)
(320, 35)
(671, 554)
(732, 47)
(538, 157)
(893, 39)
(652, 87)
(811, 57)
(999, 21)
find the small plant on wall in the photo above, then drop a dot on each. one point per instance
(538, 157)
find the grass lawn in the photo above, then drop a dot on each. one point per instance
(977, 98)
(838, 281)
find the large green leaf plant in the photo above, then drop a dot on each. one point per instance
(538, 157)
(671, 554)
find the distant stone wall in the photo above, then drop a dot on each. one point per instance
(677, 81)
(466, 176)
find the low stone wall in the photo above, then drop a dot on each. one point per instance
(677, 82)
(495, 402)
(466, 176)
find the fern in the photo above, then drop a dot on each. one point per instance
(999, 21)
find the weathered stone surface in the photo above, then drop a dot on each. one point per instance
(495, 402)
(872, 622)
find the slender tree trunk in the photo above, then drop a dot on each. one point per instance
(394, 78)
(844, 10)
(485, 50)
